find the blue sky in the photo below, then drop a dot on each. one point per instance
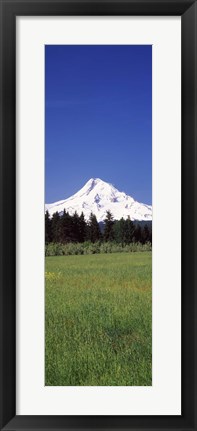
(98, 118)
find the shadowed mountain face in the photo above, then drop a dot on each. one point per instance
(98, 197)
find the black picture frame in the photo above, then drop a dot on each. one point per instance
(9, 10)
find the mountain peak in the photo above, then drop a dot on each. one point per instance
(96, 180)
(98, 196)
(96, 185)
(92, 182)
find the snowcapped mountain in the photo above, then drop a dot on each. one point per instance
(97, 196)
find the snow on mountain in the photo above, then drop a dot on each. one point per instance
(97, 196)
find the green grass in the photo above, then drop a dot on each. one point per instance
(98, 320)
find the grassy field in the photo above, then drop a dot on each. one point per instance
(98, 320)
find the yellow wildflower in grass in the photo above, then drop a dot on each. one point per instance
(52, 276)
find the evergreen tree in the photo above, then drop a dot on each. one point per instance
(48, 231)
(93, 230)
(150, 233)
(128, 231)
(137, 233)
(146, 236)
(108, 229)
(66, 227)
(118, 231)
(75, 227)
(124, 231)
(82, 228)
(56, 227)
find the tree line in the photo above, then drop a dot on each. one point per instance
(68, 228)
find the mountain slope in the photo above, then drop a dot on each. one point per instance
(97, 196)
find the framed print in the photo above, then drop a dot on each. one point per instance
(122, 340)
(98, 208)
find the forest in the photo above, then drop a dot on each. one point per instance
(66, 228)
